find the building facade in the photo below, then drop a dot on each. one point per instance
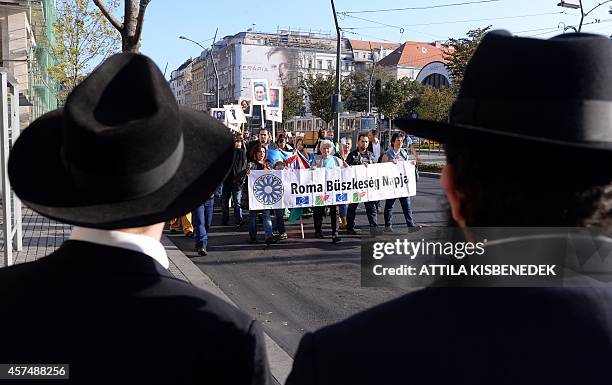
(26, 29)
(412, 57)
(199, 86)
(366, 53)
(287, 56)
(180, 83)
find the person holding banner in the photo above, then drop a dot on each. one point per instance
(259, 162)
(345, 148)
(300, 158)
(397, 154)
(361, 156)
(326, 160)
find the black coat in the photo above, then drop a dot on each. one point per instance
(467, 336)
(117, 316)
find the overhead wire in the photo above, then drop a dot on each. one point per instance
(425, 7)
(472, 20)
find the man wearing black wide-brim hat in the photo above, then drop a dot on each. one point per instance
(529, 144)
(117, 161)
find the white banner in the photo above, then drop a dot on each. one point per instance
(275, 189)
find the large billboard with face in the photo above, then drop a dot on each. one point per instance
(276, 64)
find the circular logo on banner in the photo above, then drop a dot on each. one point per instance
(268, 189)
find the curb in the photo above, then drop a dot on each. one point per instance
(426, 174)
(280, 362)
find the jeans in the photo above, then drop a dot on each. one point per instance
(318, 219)
(406, 208)
(267, 223)
(202, 220)
(235, 193)
(343, 210)
(279, 223)
(370, 212)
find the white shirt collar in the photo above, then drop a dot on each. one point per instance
(135, 242)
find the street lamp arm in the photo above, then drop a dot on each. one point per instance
(193, 41)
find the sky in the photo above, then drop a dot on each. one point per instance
(166, 20)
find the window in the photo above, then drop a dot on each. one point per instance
(363, 55)
(319, 64)
(309, 63)
(329, 64)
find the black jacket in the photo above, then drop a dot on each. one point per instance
(238, 170)
(116, 316)
(467, 336)
(355, 158)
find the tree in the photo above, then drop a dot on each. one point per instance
(293, 101)
(396, 96)
(358, 83)
(133, 19)
(460, 53)
(320, 88)
(434, 104)
(83, 38)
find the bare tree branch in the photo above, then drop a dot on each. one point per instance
(118, 25)
(140, 22)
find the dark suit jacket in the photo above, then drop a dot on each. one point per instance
(117, 316)
(467, 336)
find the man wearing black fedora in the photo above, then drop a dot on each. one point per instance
(117, 161)
(528, 144)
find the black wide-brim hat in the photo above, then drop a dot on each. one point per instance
(555, 92)
(121, 153)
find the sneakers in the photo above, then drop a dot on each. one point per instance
(388, 229)
(240, 224)
(282, 236)
(271, 240)
(336, 239)
(202, 251)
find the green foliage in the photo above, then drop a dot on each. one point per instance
(320, 88)
(397, 96)
(83, 38)
(358, 84)
(463, 49)
(293, 101)
(434, 104)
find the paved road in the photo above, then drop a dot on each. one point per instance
(300, 285)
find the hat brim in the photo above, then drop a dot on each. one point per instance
(40, 180)
(446, 132)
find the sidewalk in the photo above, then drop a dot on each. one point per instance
(41, 236)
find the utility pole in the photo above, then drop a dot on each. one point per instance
(212, 58)
(370, 81)
(337, 98)
(583, 14)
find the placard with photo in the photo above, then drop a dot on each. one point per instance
(260, 92)
(276, 99)
(274, 115)
(245, 106)
(218, 113)
(233, 114)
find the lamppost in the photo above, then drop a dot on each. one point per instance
(211, 59)
(583, 14)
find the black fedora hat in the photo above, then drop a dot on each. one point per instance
(121, 153)
(556, 92)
